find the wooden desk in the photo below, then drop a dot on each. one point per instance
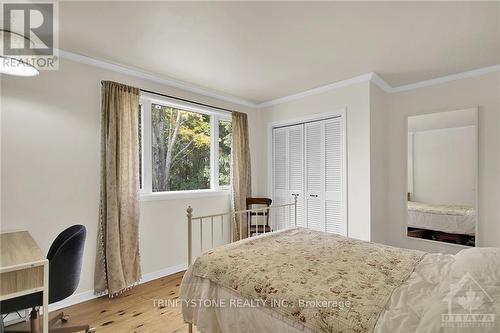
(23, 269)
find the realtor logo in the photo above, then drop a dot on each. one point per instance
(468, 305)
(30, 33)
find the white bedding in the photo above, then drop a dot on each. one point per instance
(417, 306)
(458, 221)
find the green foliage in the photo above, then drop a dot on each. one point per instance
(181, 150)
(224, 153)
(190, 153)
(191, 169)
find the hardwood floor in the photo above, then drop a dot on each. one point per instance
(133, 311)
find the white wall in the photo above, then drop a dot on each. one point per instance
(355, 99)
(50, 156)
(378, 164)
(444, 166)
(483, 92)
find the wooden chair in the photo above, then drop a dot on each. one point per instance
(258, 227)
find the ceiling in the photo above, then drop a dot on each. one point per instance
(260, 51)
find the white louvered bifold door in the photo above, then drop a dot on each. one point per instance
(314, 175)
(334, 164)
(296, 170)
(280, 176)
(308, 160)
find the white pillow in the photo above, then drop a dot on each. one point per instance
(483, 263)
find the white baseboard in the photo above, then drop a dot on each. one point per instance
(72, 300)
(89, 294)
(163, 272)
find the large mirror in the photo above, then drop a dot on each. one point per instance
(442, 177)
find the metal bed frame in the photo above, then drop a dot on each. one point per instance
(231, 217)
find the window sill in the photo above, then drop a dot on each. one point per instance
(163, 196)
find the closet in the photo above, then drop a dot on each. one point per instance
(308, 160)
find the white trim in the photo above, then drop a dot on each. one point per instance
(119, 68)
(380, 82)
(73, 299)
(214, 152)
(345, 187)
(447, 78)
(172, 195)
(146, 193)
(440, 129)
(410, 173)
(332, 86)
(164, 272)
(304, 119)
(89, 294)
(367, 77)
(147, 146)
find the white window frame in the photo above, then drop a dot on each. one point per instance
(146, 193)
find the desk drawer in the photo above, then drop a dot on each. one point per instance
(21, 280)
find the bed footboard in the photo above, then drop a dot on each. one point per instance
(278, 216)
(221, 227)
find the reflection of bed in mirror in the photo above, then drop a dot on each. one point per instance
(442, 177)
(452, 219)
(446, 223)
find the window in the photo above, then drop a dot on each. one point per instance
(183, 148)
(224, 152)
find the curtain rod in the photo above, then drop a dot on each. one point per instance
(184, 100)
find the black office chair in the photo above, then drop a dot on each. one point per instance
(65, 264)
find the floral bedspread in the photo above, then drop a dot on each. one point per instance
(326, 282)
(441, 209)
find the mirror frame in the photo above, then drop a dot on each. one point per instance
(474, 109)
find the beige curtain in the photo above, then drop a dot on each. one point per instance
(241, 173)
(117, 261)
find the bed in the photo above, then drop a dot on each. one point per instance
(451, 219)
(299, 280)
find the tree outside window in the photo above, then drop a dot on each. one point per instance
(182, 147)
(224, 153)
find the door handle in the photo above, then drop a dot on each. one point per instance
(313, 195)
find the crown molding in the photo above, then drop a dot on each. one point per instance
(104, 64)
(382, 84)
(332, 86)
(367, 77)
(447, 78)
